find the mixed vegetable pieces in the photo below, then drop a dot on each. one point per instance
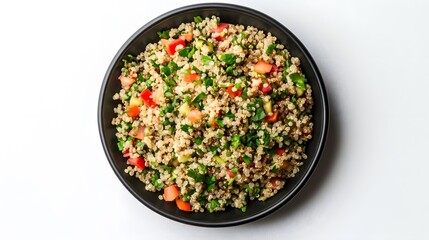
(191, 107)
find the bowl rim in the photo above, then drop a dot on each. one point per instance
(324, 105)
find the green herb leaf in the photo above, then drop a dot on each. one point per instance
(164, 34)
(228, 58)
(230, 70)
(191, 53)
(198, 141)
(198, 19)
(184, 51)
(288, 63)
(173, 66)
(121, 145)
(195, 175)
(206, 60)
(298, 80)
(166, 70)
(154, 180)
(140, 144)
(246, 159)
(203, 168)
(208, 82)
(186, 128)
(154, 64)
(244, 93)
(219, 121)
(229, 115)
(140, 78)
(266, 138)
(293, 99)
(198, 98)
(259, 115)
(270, 48)
(167, 168)
(213, 204)
(235, 141)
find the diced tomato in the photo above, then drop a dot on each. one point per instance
(139, 134)
(133, 111)
(138, 162)
(233, 94)
(272, 118)
(219, 38)
(194, 115)
(274, 68)
(186, 36)
(126, 81)
(230, 173)
(158, 95)
(220, 27)
(171, 193)
(274, 180)
(280, 151)
(190, 77)
(265, 87)
(171, 46)
(218, 30)
(262, 67)
(182, 205)
(126, 153)
(146, 96)
(213, 123)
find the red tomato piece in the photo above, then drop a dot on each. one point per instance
(232, 93)
(126, 153)
(272, 118)
(171, 193)
(220, 27)
(190, 77)
(280, 151)
(182, 205)
(146, 96)
(274, 180)
(213, 123)
(139, 134)
(219, 38)
(274, 68)
(173, 44)
(265, 88)
(262, 67)
(186, 36)
(230, 173)
(133, 111)
(126, 81)
(194, 115)
(138, 162)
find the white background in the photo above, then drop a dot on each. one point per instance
(372, 182)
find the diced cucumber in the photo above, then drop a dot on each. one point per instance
(268, 107)
(184, 109)
(183, 158)
(299, 91)
(210, 46)
(199, 44)
(136, 101)
(219, 159)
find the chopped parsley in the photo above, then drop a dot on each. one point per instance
(164, 34)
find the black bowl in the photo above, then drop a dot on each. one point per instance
(230, 14)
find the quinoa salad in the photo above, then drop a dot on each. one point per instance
(213, 115)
